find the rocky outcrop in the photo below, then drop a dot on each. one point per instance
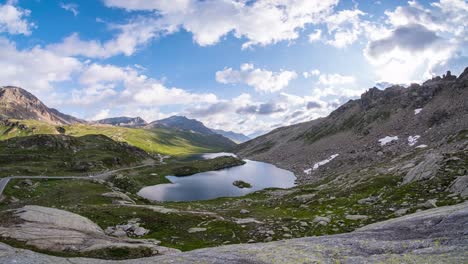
(434, 236)
(61, 231)
(425, 170)
(17, 103)
(460, 186)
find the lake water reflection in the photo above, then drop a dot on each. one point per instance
(214, 184)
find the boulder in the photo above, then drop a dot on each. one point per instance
(56, 230)
(196, 229)
(460, 186)
(425, 170)
(356, 217)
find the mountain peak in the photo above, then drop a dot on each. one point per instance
(182, 123)
(17, 103)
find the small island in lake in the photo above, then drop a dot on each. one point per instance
(242, 184)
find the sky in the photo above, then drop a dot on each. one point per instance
(247, 66)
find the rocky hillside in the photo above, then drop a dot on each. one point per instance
(236, 137)
(17, 103)
(123, 121)
(405, 126)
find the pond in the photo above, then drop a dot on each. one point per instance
(214, 184)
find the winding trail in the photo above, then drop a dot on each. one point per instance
(103, 175)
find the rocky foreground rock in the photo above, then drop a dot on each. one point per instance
(438, 235)
(56, 230)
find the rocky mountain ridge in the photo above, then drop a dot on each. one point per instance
(17, 103)
(380, 126)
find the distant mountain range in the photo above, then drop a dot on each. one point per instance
(17, 103)
(236, 137)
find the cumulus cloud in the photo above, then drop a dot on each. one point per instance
(419, 40)
(260, 22)
(311, 73)
(262, 80)
(316, 36)
(13, 19)
(335, 79)
(345, 27)
(131, 36)
(71, 7)
(261, 109)
(34, 69)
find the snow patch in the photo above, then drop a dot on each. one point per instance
(320, 163)
(421, 146)
(323, 162)
(412, 140)
(417, 111)
(384, 141)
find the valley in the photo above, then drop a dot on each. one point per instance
(393, 153)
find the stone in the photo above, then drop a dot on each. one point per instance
(368, 200)
(460, 186)
(322, 220)
(303, 224)
(196, 229)
(425, 170)
(119, 233)
(56, 230)
(140, 231)
(401, 212)
(268, 239)
(356, 217)
(244, 211)
(28, 182)
(118, 195)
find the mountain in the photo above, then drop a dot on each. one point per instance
(182, 123)
(17, 103)
(194, 127)
(392, 130)
(236, 137)
(123, 121)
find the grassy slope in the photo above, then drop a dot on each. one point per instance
(159, 140)
(65, 155)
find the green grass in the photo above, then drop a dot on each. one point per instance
(158, 140)
(61, 155)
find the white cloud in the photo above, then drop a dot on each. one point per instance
(104, 113)
(34, 69)
(316, 36)
(260, 22)
(71, 7)
(336, 79)
(311, 73)
(345, 27)
(262, 80)
(13, 19)
(419, 40)
(131, 36)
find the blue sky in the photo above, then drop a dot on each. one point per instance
(247, 66)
